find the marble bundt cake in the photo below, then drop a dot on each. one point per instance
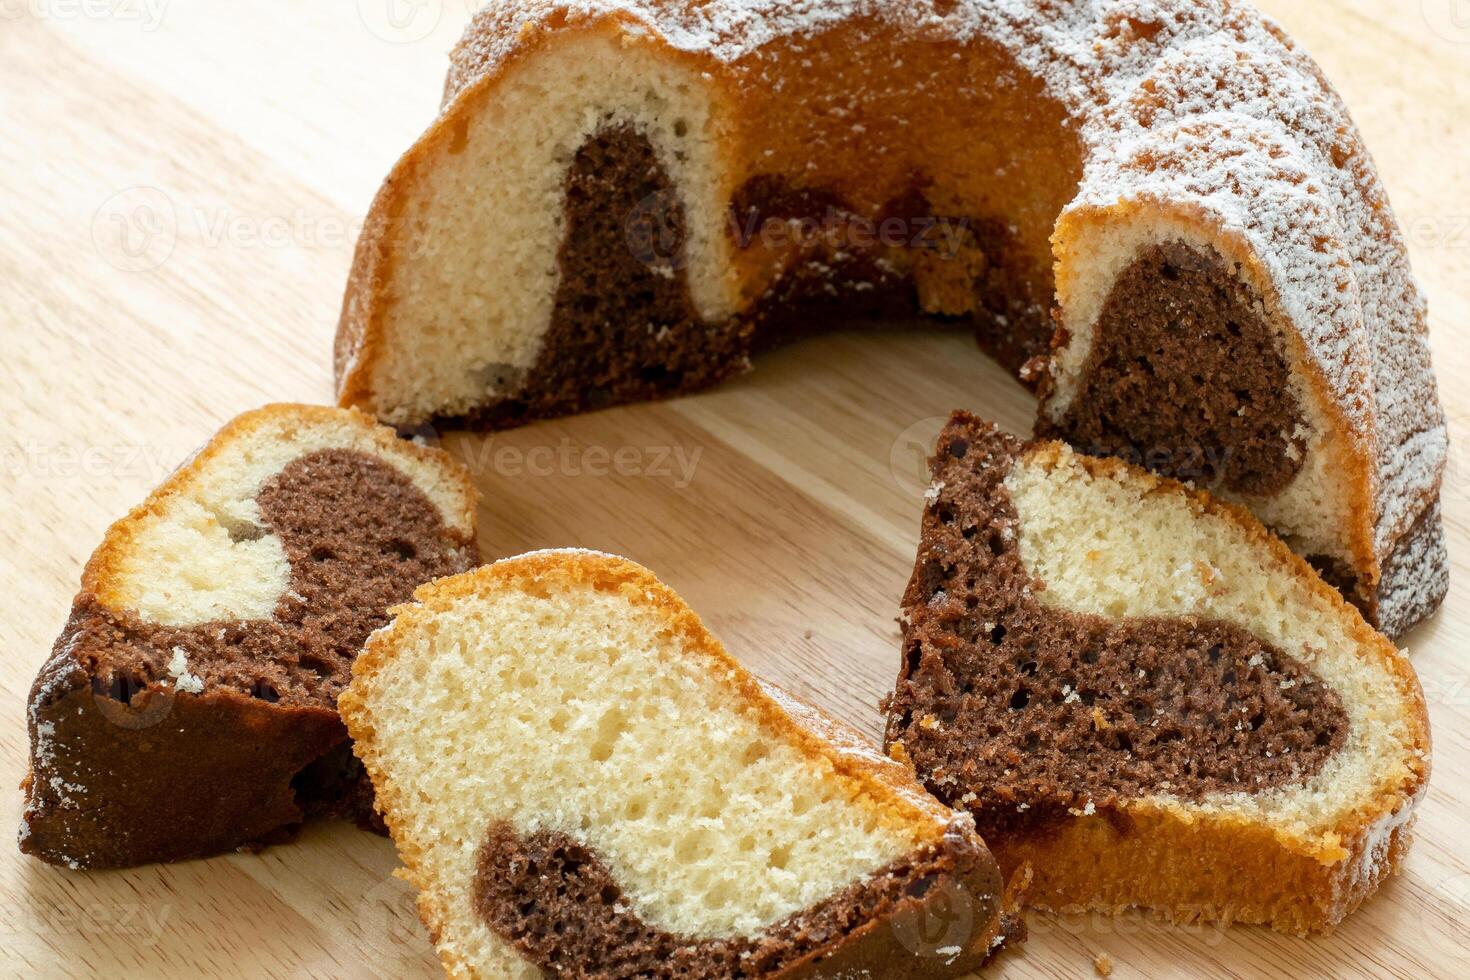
(1146, 697)
(623, 199)
(189, 706)
(582, 783)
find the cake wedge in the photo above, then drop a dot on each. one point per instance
(1143, 695)
(189, 705)
(582, 783)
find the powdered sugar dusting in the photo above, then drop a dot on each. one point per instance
(1202, 102)
(178, 669)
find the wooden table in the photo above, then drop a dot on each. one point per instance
(181, 189)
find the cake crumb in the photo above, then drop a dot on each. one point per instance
(1102, 964)
(178, 668)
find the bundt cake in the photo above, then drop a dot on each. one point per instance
(1146, 697)
(189, 706)
(582, 783)
(623, 199)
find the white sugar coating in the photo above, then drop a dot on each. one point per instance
(1203, 104)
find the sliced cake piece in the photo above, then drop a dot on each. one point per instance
(1142, 694)
(583, 783)
(189, 706)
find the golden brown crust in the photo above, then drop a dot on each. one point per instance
(1205, 868)
(1240, 869)
(889, 789)
(92, 743)
(100, 574)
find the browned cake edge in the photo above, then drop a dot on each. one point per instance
(875, 945)
(1205, 867)
(128, 770)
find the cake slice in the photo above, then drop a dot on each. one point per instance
(1140, 693)
(582, 783)
(189, 706)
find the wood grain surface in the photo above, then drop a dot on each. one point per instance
(180, 187)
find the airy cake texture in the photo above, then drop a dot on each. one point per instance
(604, 211)
(582, 783)
(1143, 695)
(189, 705)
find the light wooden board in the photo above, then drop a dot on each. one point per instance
(180, 186)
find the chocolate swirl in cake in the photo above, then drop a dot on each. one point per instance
(242, 713)
(1020, 712)
(561, 907)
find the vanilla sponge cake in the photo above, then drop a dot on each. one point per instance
(189, 705)
(630, 199)
(582, 783)
(1143, 695)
